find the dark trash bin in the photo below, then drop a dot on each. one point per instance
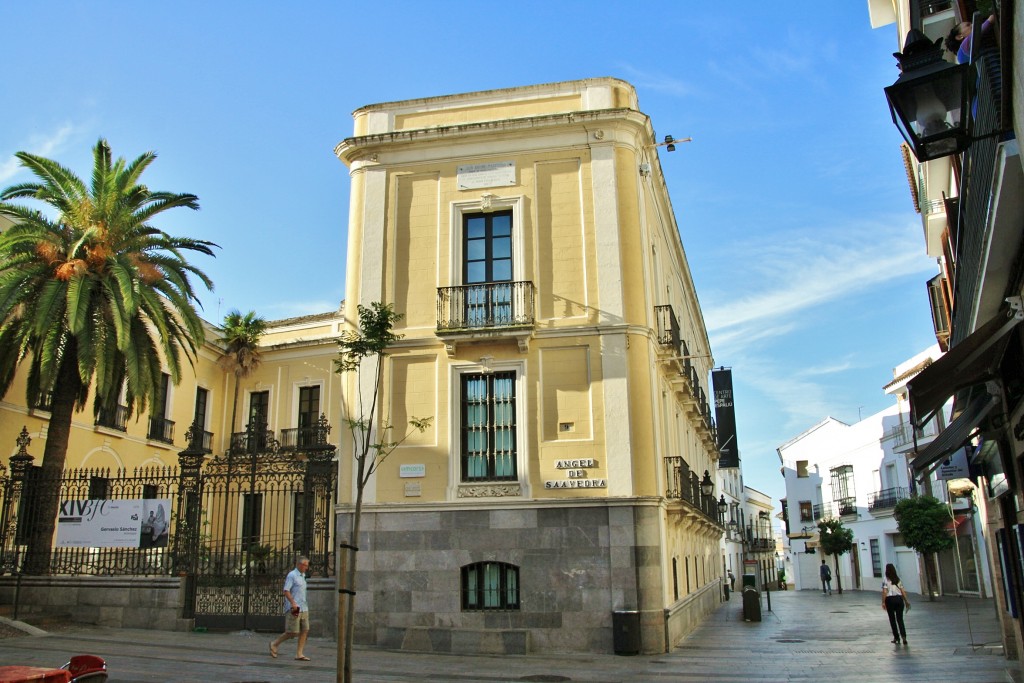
(751, 604)
(626, 632)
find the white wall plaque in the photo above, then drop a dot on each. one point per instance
(476, 176)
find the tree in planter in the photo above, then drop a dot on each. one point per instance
(835, 539)
(362, 351)
(922, 521)
(93, 297)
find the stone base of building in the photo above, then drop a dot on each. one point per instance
(578, 563)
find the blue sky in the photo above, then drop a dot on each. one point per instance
(792, 199)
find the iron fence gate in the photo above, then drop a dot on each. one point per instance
(259, 506)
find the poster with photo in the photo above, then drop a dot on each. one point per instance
(130, 523)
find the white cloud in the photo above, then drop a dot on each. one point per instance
(791, 275)
(46, 146)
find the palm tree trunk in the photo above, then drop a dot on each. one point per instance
(43, 492)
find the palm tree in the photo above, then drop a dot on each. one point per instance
(94, 297)
(241, 335)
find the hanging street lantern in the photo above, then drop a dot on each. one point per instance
(707, 487)
(930, 101)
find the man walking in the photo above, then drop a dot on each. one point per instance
(826, 578)
(296, 623)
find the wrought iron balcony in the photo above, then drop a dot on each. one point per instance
(44, 402)
(161, 429)
(976, 191)
(486, 306)
(204, 441)
(668, 329)
(253, 441)
(846, 506)
(306, 438)
(115, 417)
(684, 484)
(887, 498)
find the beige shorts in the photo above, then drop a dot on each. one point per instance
(296, 624)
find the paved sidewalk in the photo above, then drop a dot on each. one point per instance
(807, 637)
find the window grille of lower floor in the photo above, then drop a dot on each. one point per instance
(490, 586)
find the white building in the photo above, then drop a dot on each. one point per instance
(858, 473)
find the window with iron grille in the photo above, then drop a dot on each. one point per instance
(842, 489)
(876, 559)
(489, 427)
(490, 586)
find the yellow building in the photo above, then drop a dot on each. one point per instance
(552, 331)
(233, 530)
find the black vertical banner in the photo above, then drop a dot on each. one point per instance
(725, 418)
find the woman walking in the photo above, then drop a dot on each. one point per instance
(894, 601)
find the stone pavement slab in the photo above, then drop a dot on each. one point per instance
(806, 637)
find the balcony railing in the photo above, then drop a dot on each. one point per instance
(161, 429)
(978, 173)
(684, 484)
(493, 305)
(846, 506)
(668, 328)
(257, 440)
(113, 418)
(45, 401)
(903, 434)
(306, 438)
(204, 441)
(887, 498)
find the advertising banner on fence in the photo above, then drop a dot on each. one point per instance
(134, 523)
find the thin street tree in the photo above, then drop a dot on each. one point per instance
(93, 297)
(836, 540)
(363, 351)
(923, 522)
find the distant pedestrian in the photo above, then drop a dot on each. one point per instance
(732, 581)
(296, 609)
(894, 601)
(826, 578)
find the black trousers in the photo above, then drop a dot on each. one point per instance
(894, 606)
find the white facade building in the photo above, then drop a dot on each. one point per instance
(858, 473)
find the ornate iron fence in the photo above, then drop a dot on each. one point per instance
(237, 521)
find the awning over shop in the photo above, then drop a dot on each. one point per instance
(959, 430)
(972, 361)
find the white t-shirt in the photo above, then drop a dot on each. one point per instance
(891, 588)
